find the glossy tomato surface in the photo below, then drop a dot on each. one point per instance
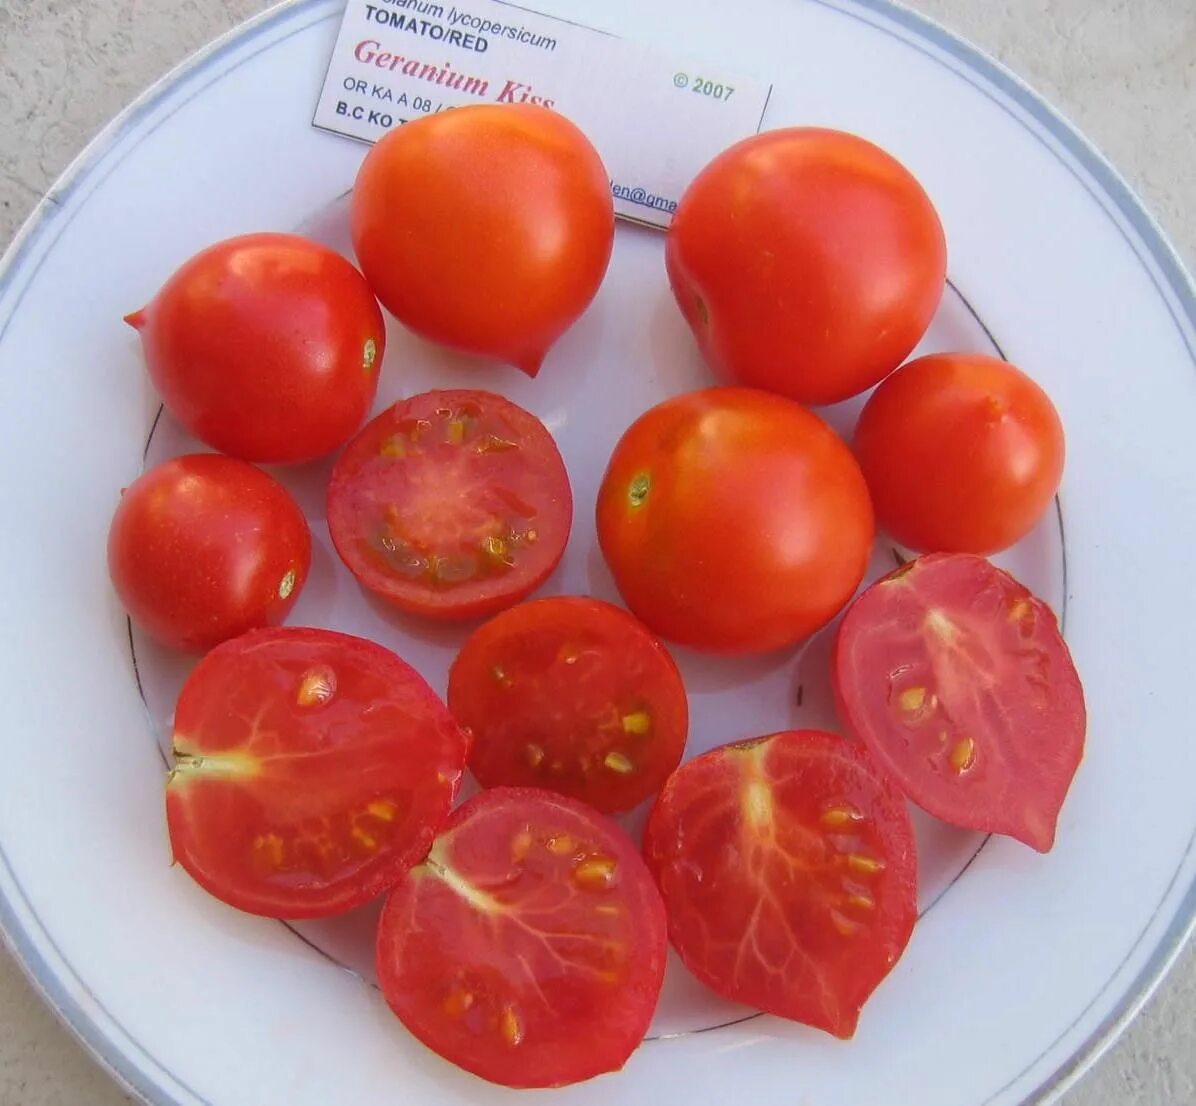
(529, 948)
(788, 871)
(451, 504)
(311, 769)
(734, 521)
(486, 228)
(204, 547)
(962, 687)
(573, 695)
(808, 262)
(962, 453)
(266, 347)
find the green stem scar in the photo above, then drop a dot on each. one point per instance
(638, 489)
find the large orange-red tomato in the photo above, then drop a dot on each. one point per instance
(734, 521)
(962, 453)
(808, 262)
(485, 228)
(266, 347)
(203, 548)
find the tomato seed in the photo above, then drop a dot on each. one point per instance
(963, 754)
(866, 865)
(511, 1026)
(861, 902)
(842, 815)
(595, 873)
(844, 924)
(317, 687)
(382, 809)
(617, 762)
(457, 1001)
(561, 844)
(534, 754)
(638, 722)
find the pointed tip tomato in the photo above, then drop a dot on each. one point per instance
(960, 683)
(788, 870)
(529, 948)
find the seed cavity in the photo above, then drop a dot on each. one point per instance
(619, 763)
(317, 687)
(638, 722)
(963, 754)
(498, 551)
(596, 873)
(912, 699)
(844, 814)
(369, 354)
(638, 490)
(287, 584)
(865, 865)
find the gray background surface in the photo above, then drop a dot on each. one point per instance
(1123, 70)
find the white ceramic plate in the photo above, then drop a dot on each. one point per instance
(1022, 967)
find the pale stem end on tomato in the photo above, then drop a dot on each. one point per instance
(230, 764)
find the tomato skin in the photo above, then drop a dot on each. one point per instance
(266, 347)
(312, 769)
(486, 228)
(788, 869)
(573, 695)
(529, 948)
(807, 262)
(959, 682)
(962, 453)
(755, 526)
(203, 548)
(441, 476)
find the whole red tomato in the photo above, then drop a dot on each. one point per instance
(266, 347)
(203, 548)
(734, 520)
(485, 228)
(962, 453)
(807, 262)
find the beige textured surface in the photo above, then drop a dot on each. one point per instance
(1123, 70)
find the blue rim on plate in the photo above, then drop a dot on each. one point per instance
(27, 938)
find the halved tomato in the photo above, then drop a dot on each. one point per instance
(311, 770)
(574, 695)
(451, 504)
(788, 871)
(960, 683)
(529, 948)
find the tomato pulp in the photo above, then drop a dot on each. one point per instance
(807, 262)
(451, 504)
(961, 685)
(734, 521)
(266, 347)
(311, 770)
(529, 948)
(573, 695)
(204, 547)
(788, 871)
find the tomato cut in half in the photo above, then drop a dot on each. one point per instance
(574, 695)
(788, 870)
(529, 948)
(451, 504)
(312, 769)
(962, 686)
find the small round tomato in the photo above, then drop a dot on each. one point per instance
(734, 521)
(962, 687)
(486, 228)
(451, 504)
(962, 453)
(808, 262)
(204, 547)
(266, 347)
(573, 695)
(529, 948)
(311, 770)
(788, 871)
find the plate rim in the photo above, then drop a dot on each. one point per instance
(58, 987)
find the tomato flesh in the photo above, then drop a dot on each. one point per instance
(529, 948)
(451, 504)
(960, 683)
(311, 770)
(788, 871)
(573, 695)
